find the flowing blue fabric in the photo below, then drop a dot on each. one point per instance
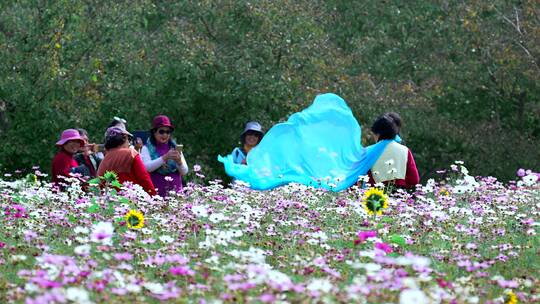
(319, 146)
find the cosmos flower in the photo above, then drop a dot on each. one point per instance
(102, 232)
(415, 296)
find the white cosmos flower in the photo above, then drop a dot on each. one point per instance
(18, 258)
(416, 296)
(146, 231)
(199, 211)
(460, 189)
(216, 217)
(31, 288)
(102, 232)
(322, 285)
(166, 239)
(133, 288)
(530, 179)
(320, 235)
(82, 240)
(78, 295)
(81, 230)
(154, 287)
(372, 268)
(312, 241)
(82, 250)
(237, 233)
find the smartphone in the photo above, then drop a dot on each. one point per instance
(179, 148)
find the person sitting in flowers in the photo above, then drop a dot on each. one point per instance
(63, 163)
(161, 157)
(250, 138)
(123, 161)
(396, 164)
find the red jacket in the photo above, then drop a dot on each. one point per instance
(127, 164)
(138, 175)
(62, 164)
(411, 176)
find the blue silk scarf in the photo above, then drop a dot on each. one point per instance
(319, 146)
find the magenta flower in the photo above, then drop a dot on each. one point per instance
(364, 235)
(182, 270)
(384, 247)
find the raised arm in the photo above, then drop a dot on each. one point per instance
(150, 164)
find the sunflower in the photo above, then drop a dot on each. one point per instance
(134, 219)
(511, 298)
(375, 201)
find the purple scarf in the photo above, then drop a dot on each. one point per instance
(160, 181)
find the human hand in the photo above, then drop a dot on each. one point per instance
(172, 154)
(177, 157)
(88, 149)
(138, 144)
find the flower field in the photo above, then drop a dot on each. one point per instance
(460, 239)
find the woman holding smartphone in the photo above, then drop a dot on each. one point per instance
(163, 158)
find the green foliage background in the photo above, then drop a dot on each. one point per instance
(464, 75)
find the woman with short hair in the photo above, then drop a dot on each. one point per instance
(396, 164)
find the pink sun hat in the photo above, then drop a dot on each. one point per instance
(69, 134)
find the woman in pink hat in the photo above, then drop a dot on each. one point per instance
(161, 157)
(70, 143)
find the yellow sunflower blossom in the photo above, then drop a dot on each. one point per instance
(444, 191)
(134, 219)
(375, 201)
(511, 298)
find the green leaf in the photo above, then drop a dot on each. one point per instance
(387, 220)
(398, 239)
(123, 200)
(72, 218)
(93, 209)
(94, 181)
(116, 184)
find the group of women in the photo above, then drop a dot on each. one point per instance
(158, 167)
(291, 151)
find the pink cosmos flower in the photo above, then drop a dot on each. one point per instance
(364, 235)
(123, 256)
(384, 247)
(182, 270)
(267, 298)
(507, 284)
